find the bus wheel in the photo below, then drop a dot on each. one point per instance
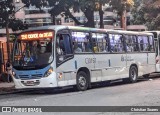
(82, 81)
(133, 74)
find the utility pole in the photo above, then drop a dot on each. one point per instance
(7, 36)
(124, 15)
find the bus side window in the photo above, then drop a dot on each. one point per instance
(131, 45)
(60, 45)
(67, 44)
(100, 42)
(151, 43)
(81, 42)
(116, 42)
(63, 46)
(143, 43)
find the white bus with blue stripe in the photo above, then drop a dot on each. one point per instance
(58, 56)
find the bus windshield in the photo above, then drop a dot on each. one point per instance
(33, 51)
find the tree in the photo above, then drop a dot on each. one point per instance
(152, 16)
(7, 11)
(98, 6)
(63, 7)
(88, 7)
(121, 6)
(43, 3)
(147, 12)
(138, 13)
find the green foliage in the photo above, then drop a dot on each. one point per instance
(138, 13)
(152, 16)
(147, 12)
(63, 7)
(17, 24)
(7, 11)
(121, 5)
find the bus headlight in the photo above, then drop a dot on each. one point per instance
(50, 70)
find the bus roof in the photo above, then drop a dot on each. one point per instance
(155, 33)
(128, 32)
(59, 27)
(158, 32)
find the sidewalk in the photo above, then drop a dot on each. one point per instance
(6, 87)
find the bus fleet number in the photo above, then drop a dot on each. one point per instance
(90, 60)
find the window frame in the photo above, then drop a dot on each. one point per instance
(89, 34)
(146, 36)
(106, 35)
(66, 56)
(133, 44)
(122, 42)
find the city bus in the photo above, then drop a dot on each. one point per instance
(156, 35)
(59, 56)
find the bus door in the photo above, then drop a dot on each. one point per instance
(65, 64)
(83, 55)
(151, 55)
(117, 56)
(131, 47)
(157, 49)
(99, 44)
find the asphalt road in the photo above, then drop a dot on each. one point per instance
(143, 93)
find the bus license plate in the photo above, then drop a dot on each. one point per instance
(30, 82)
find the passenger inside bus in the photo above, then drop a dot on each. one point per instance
(88, 47)
(129, 48)
(95, 46)
(77, 48)
(49, 46)
(141, 45)
(61, 44)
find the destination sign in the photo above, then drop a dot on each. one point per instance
(36, 35)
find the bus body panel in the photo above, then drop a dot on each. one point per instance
(102, 67)
(70, 68)
(156, 35)
(47, 82)
(35, 77)
(158, 67)
(109, 68)
(66, 73)
(144, 62)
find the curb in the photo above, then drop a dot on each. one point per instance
(11, 90)
(7, 90)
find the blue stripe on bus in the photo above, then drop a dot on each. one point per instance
(75, 64)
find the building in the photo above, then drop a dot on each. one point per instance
(35, 17)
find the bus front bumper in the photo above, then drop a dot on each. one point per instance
(44, 82)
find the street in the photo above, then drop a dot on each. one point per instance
(142, 93)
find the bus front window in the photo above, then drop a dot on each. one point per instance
(33, 53)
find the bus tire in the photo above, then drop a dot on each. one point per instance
(82, 81)
(133, 74)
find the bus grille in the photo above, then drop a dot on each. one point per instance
(34, 76)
